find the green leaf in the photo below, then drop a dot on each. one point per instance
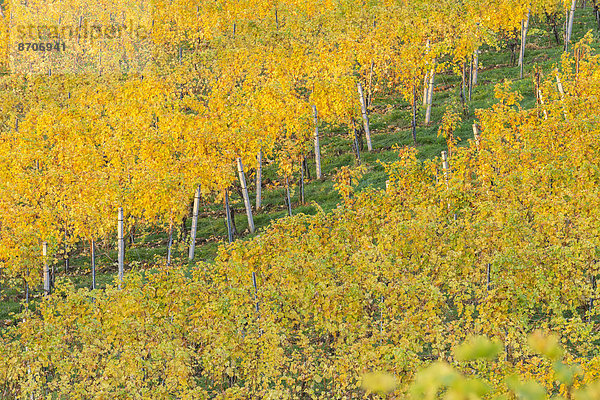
(379, 382)
(478, 347)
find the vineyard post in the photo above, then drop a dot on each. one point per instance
(228, 217)
(566, 26)
(426, 79)
(302, 180)
(381, 317)
(317, 147)
(66, 251)
(170, 243)
(430, 95)
(365, 116)
(46, 269)
(370, 90)
(260, 332)
(542, 103)
(121, 246)
(255, 290)
(350, 196)
(425, 89)
(287, 194)
(524, 29)
(414, 114)
(93, 261)
(52, 276)
(475, 66)
(562, 94)
(463, 83)
(194, 224)
(536, 83)
(593, 279)
(27, 288)
(570, 26)
(445, 166)
(258, 179)
(470, 77)
(476, 135)
(355, 141)
(488, 274)
(560, 87)
(240, 168)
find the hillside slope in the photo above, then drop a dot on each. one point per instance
(501, 243)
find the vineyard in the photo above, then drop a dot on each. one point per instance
(333, 200)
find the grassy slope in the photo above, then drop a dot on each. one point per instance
(390, 124)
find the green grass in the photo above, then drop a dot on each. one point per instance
(390, 124)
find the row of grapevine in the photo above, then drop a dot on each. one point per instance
(229, 81)
(500, 239)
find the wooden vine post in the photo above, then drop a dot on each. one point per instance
(194, 224)
(260, 331)
(562, 94)
(463, 84)
(46, 269)
(429, 99)
(470, 78)
(445, 166)
(242, 177)
(228, 217)
(570, 25)
(446, 169)
(541, 99)
(302, 164)
(414, 114)
(365, 115)
(317, 146)
(475, 66)
(93, 262)
(428, 88)
(591, 307)
(524, 29)
(355, 145)
(425, 88)
(121, 246)
(288, 198)
(476, 135)
(170, 242)
(258, 179)
(426, 79)
(255, 291)
(66, 251)
(370, 90)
